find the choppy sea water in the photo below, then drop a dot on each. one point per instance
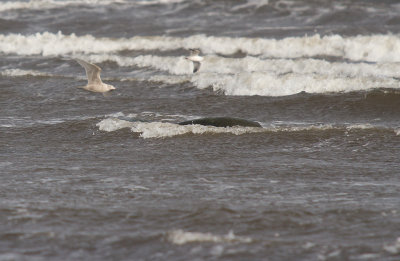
(92, 177)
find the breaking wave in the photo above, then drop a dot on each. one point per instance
(180, 237)
(373, 48)
(19, 72)
(165, 129)
(159, 129)
(50, 4)
(27, 122)
(216, 64)
(368, 62)
(253, 77)
(272, 77)
(265, 84)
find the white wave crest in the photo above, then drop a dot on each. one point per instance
(180, 237)
(216, 64)
(239, 76)
(266, 84)
(251, 3)
(49, 4)
(153, 2)
(49, 44)
(14, 122)
(176, 79)
(254, 76)
(394, 248)
(19, 72)
(373, 48)
(164, 130)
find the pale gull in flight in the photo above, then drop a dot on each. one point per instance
(93, 74)
(195, 58)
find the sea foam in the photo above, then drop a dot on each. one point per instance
(372, 48)
(273, 85)
(217, 64)
(271, 77)
(293, 70)
(158, 129)
(165, 129)
(180, 237)
(19, 72)
(50, 4)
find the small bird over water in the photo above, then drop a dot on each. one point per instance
(93, 74)
(195, 58)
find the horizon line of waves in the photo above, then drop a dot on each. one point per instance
(51, 4)
(372, 48)
(167, 129)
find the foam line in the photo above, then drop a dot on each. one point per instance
(158, 129)
(373, 48)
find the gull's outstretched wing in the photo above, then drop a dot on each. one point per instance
(196, 66)
(92, 71)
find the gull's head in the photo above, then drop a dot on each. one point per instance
(110, 87)
(194, 52)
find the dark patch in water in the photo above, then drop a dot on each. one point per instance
(10, 25)
(222, 122)
(383, 96)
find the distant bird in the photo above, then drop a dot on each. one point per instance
(195, 58)
(93, 74)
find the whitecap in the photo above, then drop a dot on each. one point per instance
(393, 248)
(19, 73)
(269, 84)
(14, 122)
(50, 4)
(181, 237)
(166, 129)
(221, 65)
(276, 77)
(371, 48)
(113, 124)
(158, 129)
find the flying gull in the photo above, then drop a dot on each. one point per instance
(195, 58)
(93, 74)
